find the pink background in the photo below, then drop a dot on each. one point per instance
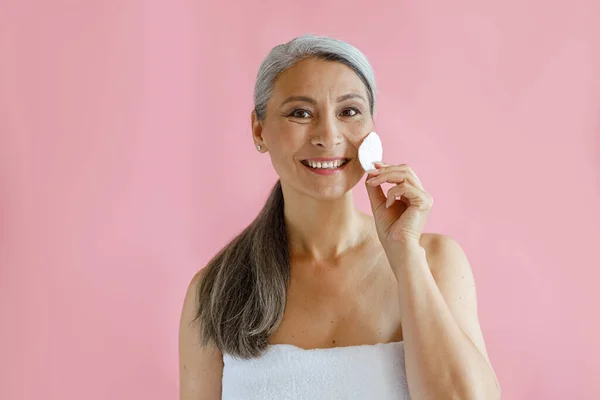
(124, 128)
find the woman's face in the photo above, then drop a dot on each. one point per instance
(319, 110)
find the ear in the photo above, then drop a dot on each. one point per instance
(257, 129)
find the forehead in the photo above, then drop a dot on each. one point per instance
(312, 77)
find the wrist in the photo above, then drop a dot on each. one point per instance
(404, 245)
(405, 251)
(407, 261)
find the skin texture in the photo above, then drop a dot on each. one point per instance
(355, 278)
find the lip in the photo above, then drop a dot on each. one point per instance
(326, 171)
(321, 159)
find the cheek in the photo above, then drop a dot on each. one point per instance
(286, 137)
(283, 145)
(355, 139)
(282, 148)
(359, 131)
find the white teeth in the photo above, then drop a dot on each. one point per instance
(325, 165)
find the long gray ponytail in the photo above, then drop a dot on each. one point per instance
(242, 296)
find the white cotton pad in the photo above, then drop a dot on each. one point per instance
(370, 151)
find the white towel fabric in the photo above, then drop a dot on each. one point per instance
(287, 372)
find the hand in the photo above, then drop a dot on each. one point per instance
(401, 216)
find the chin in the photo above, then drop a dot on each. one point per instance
(331, 190)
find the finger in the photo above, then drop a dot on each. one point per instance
(386, 168)
(376, 197)
(381, 164)
(416, 197)
(377, 170)
(394, 176)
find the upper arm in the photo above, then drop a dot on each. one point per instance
(454, 277)
(200, 368)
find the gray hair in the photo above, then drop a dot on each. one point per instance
(242, 295)
(285, 55)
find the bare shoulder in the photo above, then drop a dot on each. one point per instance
(430, 239)
(191, 305)
(444, 254)
(200, 367)
(190, 302)
(452, 272)
(196, 280)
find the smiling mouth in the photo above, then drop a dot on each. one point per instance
(326, 164)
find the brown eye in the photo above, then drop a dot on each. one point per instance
(350, 112)
(300, 114)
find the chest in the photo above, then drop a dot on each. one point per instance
(343, 305)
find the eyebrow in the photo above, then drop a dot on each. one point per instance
(313, 101)
(305, 99)
(350, 96)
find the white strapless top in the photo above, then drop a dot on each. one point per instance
(370, 372)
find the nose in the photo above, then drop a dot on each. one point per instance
(327, 135)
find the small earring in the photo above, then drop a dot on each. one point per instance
(258, 147)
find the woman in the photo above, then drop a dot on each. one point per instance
(315, 299)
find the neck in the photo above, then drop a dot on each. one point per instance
(322, 229)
